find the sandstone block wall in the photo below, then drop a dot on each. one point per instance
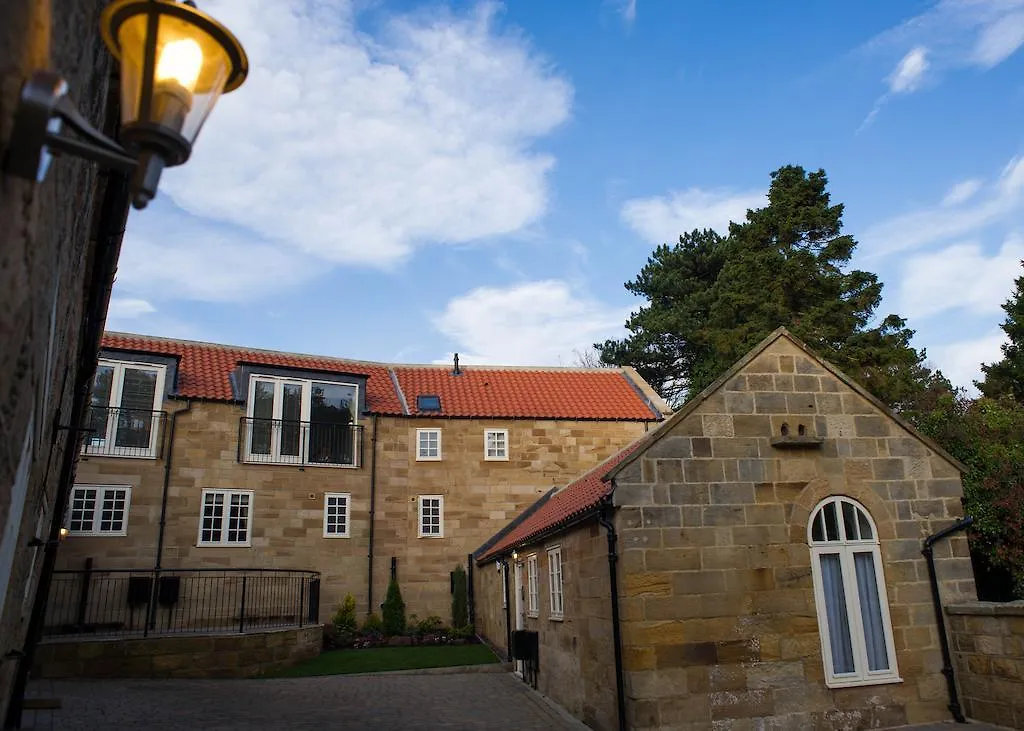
(194, 656)
(988, 641)
(720, 621)
(46, 256)
(480, 497)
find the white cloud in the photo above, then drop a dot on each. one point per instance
(126, 308)
(909, 72)
(962, 192)
(663, 218)
(999, 40)
(534, 323)
(1000, 200)
(961, 361)
(629, 11)
(357, 149)
(960, 276)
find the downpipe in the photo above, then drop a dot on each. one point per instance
(613, 558)
(947, 658)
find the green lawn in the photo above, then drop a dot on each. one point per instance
(380, 659)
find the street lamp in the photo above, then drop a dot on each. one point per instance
(176, 61)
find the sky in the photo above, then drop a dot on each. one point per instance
(400, 180)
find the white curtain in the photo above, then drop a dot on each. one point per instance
(871, 611)
(835, 609)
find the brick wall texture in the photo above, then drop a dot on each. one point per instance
(988, 640)
(46, 254)
(480, 497)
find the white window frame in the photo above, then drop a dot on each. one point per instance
(503, 573)
(846, 548)
(497, 457)
(532, 586)
(346, 498)
(306, 386)
(420, 516)
(103, 445)
(556, 594)
(97, 510)
(422, 456)
(224, 542)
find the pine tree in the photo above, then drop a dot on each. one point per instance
(1006, 377)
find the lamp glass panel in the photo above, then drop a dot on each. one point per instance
(190, 71)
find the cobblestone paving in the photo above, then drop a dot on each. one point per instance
(491, 701)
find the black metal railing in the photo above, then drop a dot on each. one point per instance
(280, 441)
(142, 602)
(116, 432)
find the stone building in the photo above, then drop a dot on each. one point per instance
(278, 460)
(769, 570)
(59, 243)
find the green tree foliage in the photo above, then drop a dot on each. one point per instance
(1006, 377)
(987, 435)
(373, 625)
(711, 298)
(393, 610)
(460, 603)
(345, 616)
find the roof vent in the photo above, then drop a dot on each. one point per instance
(456, 371)
(428, 402)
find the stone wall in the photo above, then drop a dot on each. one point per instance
(46, 258)
(988, 641)
(287, 529)
(193, 656)
(577, 668)
(720, 624)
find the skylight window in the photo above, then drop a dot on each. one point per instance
(428, 403)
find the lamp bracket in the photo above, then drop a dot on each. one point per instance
(44, 108)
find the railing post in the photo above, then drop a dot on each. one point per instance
(241, 618)
(83, 595)
(302, 598)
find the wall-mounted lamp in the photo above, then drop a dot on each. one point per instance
(176, 61)
(36, 541)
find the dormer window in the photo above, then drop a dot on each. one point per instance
(428, 403)
(124, 414)
(303, 422)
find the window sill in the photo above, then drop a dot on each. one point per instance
(262, 463)
(859, 682)
(557, 617)
(495, 459)
(223, 545)
(336, 535)
(427, 459)
(422, 535)
(97, 534)
(532, 615)
(87, 453)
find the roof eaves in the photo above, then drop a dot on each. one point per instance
(515, 523)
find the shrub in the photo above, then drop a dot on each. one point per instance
(467, 632)
(345, 616)
(431, 625)
(394, 610)
(373, 625)
(459, 598)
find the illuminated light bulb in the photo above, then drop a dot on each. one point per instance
(181, 61)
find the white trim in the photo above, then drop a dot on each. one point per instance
(499, 456)
(846, 547)
(225, 516)
(347, 499)
(105, 445)
(420, 456)
(503, 573)
(440, 516)
(556, 584)
(533, 586)
(96, 510)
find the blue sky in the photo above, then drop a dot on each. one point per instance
(401, 180)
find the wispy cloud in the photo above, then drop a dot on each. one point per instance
(629, 12)
(998, 201)
(534, 323)
(661, 219)
(344, 147)
(961, 361)
(907, 77)
(962, 192)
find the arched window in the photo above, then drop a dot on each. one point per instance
(849, 592)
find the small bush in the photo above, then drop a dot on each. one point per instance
(345, 616)
(431, 625)
(394, 610)
(373, 624)
(459, 598)
(467, 632)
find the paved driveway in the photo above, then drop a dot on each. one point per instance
(486, 701)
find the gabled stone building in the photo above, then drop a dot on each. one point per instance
(205, 455)
(767, 571)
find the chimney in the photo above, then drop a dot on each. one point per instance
(456, 372)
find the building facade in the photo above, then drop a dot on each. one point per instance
(769, 565)
(204, 455)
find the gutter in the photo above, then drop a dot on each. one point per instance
(373, 512)
(947, 660)
(613, 558)
(167, 484)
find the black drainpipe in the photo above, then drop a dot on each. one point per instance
(373, 511)
(167, 484)
(947, 659)
(508, 610)
(613, 558)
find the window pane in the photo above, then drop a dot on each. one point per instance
(871, 611)
(291, 413)
(850, 522)
(99, 401)
(831, 522)
(865, 525)
(835, 610)
(135, 419)
(262, 412)
(332, 410)
(818, 528)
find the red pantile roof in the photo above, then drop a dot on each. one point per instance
(204, 371)
(562, 507)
